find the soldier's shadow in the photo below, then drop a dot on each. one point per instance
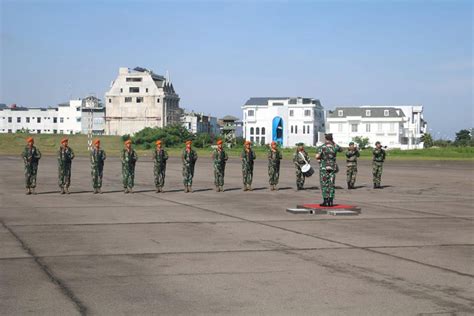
(358, 187)
(232, 189)
(311, 188)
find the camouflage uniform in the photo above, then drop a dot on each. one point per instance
(65, 157)
(31, 157)
(299, 163)
(328, 168)
(159, 159)
(274, 158)
(352, 156)
(97, 167)
(219, 157)
(247, 166)
(129, 159)
(189, 161)
(377, 166)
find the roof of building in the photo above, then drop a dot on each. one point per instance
(230, 118)
(292, 100)
(361, 111)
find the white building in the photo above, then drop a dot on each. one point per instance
(394, 126)
(197, 123)
(67, 118)
(286, 120)
(139, 98)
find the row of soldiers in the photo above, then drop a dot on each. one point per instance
(326, 156)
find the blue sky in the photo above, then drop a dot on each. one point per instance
(221, 53)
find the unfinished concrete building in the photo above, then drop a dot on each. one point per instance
(139, 98)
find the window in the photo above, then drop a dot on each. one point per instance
(146, 90)
(38, 119)
(257, 132)
(367, 113)
(251, 139)
(308, 129)
(38, 131)
(134, 90)
(292, 112)
(18, 119)
(55, 131)
(263, 140)
(128, 99)
(257, 140)
(385, 112)
(307, 112)
(339, 127)
(392, 127)
(9, 130)
(304, 129)
(291, 129)
(340, 113)
(157, 100)
(61, 120)
(78, 119)
(55, 119)
(121, 90)
(27, 120)
(263, 132)
(129, 79)
(251, 112)
(367, 128)
(139, 99)
(9, 120)
(61, 131)
(110, 100)
(251, 131)
(296, 129)
(354, 128)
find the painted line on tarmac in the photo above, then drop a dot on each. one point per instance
(65, 290)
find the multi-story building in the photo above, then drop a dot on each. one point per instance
(67, 118)
(285, 120)
(394, 126)
(199, 123)
(139, 98)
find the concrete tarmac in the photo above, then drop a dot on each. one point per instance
(410, 252)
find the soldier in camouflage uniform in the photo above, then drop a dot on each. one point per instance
(327, 169)
(188, 157)
(274, 157)
(65, 157)
(377, 164)
(97, 166)
(248, 156)
(219, 158)
(160, 156)
(300, 158)
(31, 156)
(129, 159)
(351, 157)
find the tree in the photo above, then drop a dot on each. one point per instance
(463, 138)
(171, 135)
(427, 140)
(362, 142)
(202, 140)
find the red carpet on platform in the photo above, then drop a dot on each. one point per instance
(336, 206)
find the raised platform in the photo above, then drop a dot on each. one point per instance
(336, 210)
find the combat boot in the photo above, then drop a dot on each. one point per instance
(190, 189)
(244, 188)
(349, 186)
(130, 190)
(275, 188)
(67, 190)
(325, 203)
(331, 202)
(125, 190)
(62, 190)
(249, 188)
(186, 189)
(221, 188)
(28, 191)
(375, 185)
(33, 191)
(158, 190)
(218, 189)
(99, 190)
